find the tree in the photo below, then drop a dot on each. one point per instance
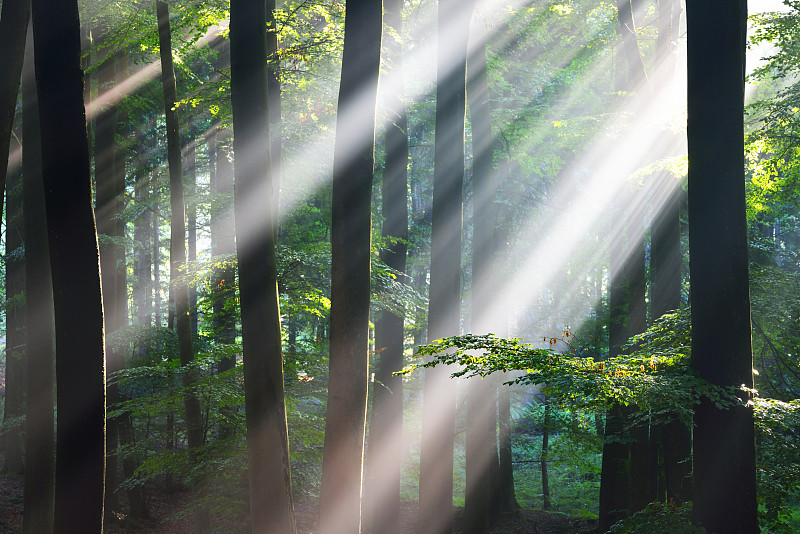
(80, 370)
(353, 162)
(15, 325)
(385, 454)
(271, 508)
(481, 439)
(724, 444)
(109, 203)
(438, 409)
(39, 414)
(665, 263)
(13, 26)
(177, 244)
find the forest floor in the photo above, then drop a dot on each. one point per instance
(167, 518)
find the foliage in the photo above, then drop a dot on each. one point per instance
(654, 378)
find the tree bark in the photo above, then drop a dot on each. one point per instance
(177, 245)
(13, 27)
(481, 437)
(13, 431)
(271, 507)
(438, 408)
(724, 443)
(353, 162)
(108, 206)
(80, 370)
(39, 415)
(665, 261)
(386, 452)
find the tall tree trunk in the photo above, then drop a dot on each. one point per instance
(615, 469)
(13, 27)
(108, 207)
(544, 457)
(724, 443)
(271, 506)
(80, 369)
(13, 427)
(275, 123)
(665, 258)
(481, 438)
(191, 226)
(39, 415)
(353, 161)
(386, 454)
(223, 244)
(438, 409)
(177, 245)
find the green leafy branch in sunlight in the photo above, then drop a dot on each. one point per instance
(655, 376)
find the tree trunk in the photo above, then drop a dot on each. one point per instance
(438, 409)
(13, 426)
(386, 453)
(481, 438)
(271, 507)
(109, 204)
(39, 414)
(80, 370)
(665, 261)
(353, 161)
(724, 443)
(177, 245)
(13, 27)
(544, 458)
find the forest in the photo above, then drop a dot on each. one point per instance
(400, 266)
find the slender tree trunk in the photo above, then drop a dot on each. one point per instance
(156, 261)
(13, 27)
(724, 443)
(191, 226)
(353, 161)
(665, 260)
(271, 507)
(481, 438)
(546, 504)
(177, 247)
(438, 409)
(108, 206)
(223, 244)
(275, 123)
(13, 431)
(80, 369)
(39, 414)
(386, 454)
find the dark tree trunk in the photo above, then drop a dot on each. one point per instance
(109, 204)
(615, 469)
(271, 507)
(177, 245)
(386, 452)
(13, 431)
(223, 244)
(274, 96)
(191, 226)
(724, 443)
(665, 258)
(353, 161)
(438, 409)
(481, 437)
(546, 504)
(80, 370)
(39, 414)
(13, 26)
